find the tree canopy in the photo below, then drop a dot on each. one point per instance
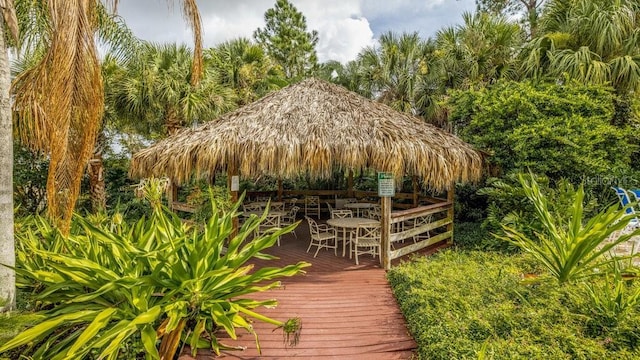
(287, 41)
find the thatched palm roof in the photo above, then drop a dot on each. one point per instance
(312, 126)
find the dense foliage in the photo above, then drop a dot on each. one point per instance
(553, 129)
(569, 246)
(150, 287)
(469, 305)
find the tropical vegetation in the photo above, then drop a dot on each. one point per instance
(147, 287)
(546, 89)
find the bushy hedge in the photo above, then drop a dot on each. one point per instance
(464, 305)
(562, 131)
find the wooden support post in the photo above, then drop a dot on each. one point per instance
(231, 171)
(279, 189)
(385, 232)
(450, 199)
(172, 194)
(414, 180)
(350, 184)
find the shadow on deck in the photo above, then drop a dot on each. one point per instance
(348, 311)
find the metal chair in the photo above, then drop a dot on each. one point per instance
(420, 221)
(276, 206)
(322, 236)
(329, 207)
(346, 235)
(290, 218)
(312, 206)
(366, 241)
(270, 223)
(341, 214)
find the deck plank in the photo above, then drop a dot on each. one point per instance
(348, 311)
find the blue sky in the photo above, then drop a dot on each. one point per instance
(344, 26)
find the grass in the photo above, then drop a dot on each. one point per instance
(470, 305)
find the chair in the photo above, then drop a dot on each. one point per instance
(366, 241)
(321, 236)
(635, 193)
(277, 206)
(375, 212)
(420, 221)
(341, 214)
(329, 207)
(293, 202)
(346, 235)
(270, 223)
(290, 218)
(625, 200)
(312, 206)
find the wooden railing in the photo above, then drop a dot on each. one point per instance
(442, 226)
(330, 196)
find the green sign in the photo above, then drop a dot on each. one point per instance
(386, 184)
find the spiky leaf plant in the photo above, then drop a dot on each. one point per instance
(573, 248)
(158, 281)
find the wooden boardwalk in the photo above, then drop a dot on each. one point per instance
(347, 311)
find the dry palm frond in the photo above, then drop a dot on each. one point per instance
(60, 103)
(192, 15)
(312, 127)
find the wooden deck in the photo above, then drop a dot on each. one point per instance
(347, 311)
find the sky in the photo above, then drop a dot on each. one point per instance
(344, 26)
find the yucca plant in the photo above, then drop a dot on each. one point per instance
(158, 281)
(573, 248)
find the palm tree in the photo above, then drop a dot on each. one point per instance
(592, 41)
(478, 52)
(395, 72)
(245, 68)
(153, 91)
(60, 100)
(59, 104)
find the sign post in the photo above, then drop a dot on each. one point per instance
(386, 190)
(386, 184)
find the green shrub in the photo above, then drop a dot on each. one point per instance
(470, 235)
(610, 300)
(467, 305)
(569, 247)
(111, 287)
(510, 206)
(562, 131)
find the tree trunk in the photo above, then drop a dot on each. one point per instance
(173, 122)
(7, 247)
(95, 170)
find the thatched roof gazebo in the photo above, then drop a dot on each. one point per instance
(312, 126)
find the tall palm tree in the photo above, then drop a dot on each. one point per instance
(7, 251)
(592, 41)
(60, 100)
(153, 91)
(59, 104)
(395, 72)
(245, 68)
(480, 51)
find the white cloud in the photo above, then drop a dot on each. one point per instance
(343, 39)
(342, 31)
(344, 26)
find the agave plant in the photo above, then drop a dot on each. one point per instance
(573, 248)
(158, 282)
